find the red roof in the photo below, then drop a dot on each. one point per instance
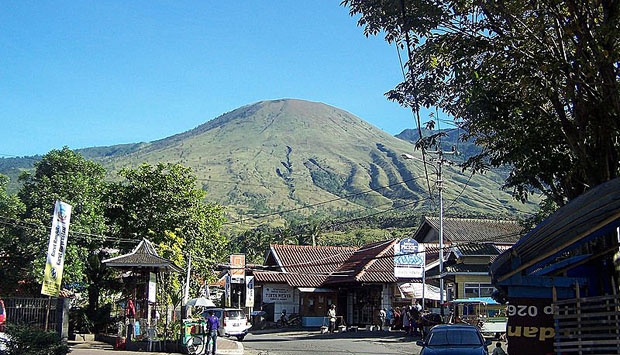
(305, 259)
(308, 266)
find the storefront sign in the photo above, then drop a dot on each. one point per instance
(530, 327)
(237, 268)
(249, 291)
(277, 294)
(409, 259)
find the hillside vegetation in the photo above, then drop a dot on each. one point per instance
(282, 159)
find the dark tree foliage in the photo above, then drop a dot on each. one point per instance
(534, 82)
(60, 175)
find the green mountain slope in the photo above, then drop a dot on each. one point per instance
(306, 158)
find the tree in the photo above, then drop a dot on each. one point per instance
(163, 204)
(60, 175)
(10, 210)
(534, 82)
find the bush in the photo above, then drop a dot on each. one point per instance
(26, 340)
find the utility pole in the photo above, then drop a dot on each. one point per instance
(438, 170)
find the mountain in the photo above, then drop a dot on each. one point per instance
(303, 158)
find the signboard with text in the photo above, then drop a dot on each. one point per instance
(530, 328)
(409, 259)
(277, 294)
(237, 268)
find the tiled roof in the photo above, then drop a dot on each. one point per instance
(371, 263)
(459, 230)
(476, 249)
(310, 259)
(294, 280)
(144, 255)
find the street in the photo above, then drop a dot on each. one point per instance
(312, 342)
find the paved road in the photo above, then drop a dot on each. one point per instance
(312, 342)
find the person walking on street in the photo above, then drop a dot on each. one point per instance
(498, 349)
(213, 324)
(406, 322)
(331, 313)
(382, 315)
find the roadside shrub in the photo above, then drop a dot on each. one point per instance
(26, 340)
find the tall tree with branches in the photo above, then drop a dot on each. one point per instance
(535, 83)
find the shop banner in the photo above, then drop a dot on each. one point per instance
(409, 259)
(530, 328)
(55, 261)
(227, 292)
(249, 291)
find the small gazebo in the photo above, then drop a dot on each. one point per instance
(143, 265)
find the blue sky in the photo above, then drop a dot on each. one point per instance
(94, 73)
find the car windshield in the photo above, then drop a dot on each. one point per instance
(235, 314)
(453, 337)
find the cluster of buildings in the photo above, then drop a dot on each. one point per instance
(558, 284)
(360, 281)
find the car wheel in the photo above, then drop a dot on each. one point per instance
(240, 337)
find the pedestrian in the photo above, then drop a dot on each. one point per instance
(498, 349)
(382, 315)
(405, 316)
(415, 316)
(398, 322)
(331, 313)
(390, 317)
(213, 324)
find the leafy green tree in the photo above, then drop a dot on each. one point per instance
(10, 210)
(534, 82)
(164, 204)
(60, 175)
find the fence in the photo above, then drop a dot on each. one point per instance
(36, 312)
(588, 325)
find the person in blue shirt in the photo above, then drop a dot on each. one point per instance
(213, 324)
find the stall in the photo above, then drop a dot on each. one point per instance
(142, 270)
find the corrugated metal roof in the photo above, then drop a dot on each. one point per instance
(460, 230)
(476, 249)
(592, 214)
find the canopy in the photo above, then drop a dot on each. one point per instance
(200, 302)
(415, 290)
(474, 300)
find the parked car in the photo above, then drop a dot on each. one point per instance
(233, 322)
(454, 339)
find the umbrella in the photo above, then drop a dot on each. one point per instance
(200, 302)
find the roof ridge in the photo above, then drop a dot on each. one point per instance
(475, 219)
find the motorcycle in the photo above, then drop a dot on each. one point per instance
(293, 320)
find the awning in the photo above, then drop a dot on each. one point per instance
(418, 290)
(315, 290)
(474, 300)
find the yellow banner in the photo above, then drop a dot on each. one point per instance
(52, 276)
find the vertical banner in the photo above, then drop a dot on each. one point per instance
(152, 287)
(55, 261)
(249, 291)
(237, 268)
(227, 292)
(409, 259)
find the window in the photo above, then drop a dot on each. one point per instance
(478, 290)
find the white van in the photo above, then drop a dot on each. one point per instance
(233, 322)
